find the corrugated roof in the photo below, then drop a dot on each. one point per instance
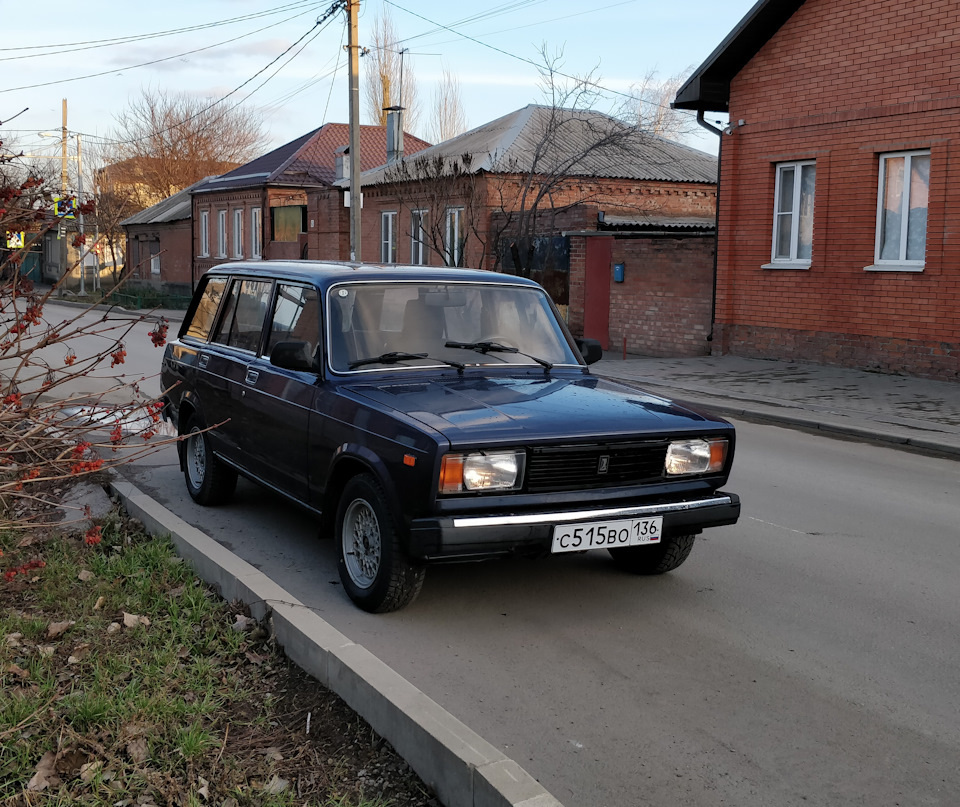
(658, 222)
(310, 159)
(581, 143)
(173, 208)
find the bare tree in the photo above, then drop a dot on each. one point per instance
(572, 142)
(427, 187)
(166, 142)
(388, 79)
(649, 107)
(449, 116)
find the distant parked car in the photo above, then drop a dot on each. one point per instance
(429, 414)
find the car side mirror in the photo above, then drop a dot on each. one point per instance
(293, 356)
(590, 350)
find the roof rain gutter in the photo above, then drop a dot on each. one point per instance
(713, 296)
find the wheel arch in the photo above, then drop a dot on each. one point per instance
(351, 460)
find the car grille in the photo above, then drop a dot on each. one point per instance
(558, 468)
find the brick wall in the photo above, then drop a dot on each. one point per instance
(843, 82)
(662, 308)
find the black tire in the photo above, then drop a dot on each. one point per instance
(656, 559)
(209, 481)
(375, 572)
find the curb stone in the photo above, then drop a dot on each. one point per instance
(462, 768)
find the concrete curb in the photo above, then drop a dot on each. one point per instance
(893, 436)
(462, 768)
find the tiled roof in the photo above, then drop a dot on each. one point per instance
(581, 143)
(173, 208)
(310, 160)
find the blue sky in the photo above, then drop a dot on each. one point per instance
(488, 46)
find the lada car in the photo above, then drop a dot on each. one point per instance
(433, 414)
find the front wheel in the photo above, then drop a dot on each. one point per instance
(374, 571)
(655, 559)
(209, 481)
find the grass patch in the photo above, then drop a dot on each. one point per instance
(123, 681)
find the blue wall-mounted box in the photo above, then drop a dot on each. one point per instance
(618, 273)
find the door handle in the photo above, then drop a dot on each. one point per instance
(252, 376)
(204, 358)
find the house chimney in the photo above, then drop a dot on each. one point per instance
(342, 165)
(394, 133)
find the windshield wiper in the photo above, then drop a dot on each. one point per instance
(496, 347)
(396, 355)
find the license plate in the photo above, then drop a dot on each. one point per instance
(606, 534)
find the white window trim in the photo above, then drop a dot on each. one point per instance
(221, 234)
(899, 265)
(238, 232)
(388, 236)
(256, 230)
(419, 254)
(204, 234)
(452, 245)
(793, 262)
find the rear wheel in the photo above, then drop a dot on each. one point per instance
(209, 481)
(656, 558)
(374, 571)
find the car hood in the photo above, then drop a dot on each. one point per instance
(466, 409)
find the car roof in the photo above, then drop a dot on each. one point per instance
(327, 273)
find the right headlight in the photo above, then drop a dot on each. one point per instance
(698, 456)
(481, 471)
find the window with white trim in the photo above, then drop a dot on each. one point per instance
(902, 210)
(453, 240)
(221, 233)
(418, 238)
(388, 236)
(793, 214)
(204, 234)
(238, 233)
(256, 229)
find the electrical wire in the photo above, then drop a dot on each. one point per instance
(72, 47)
(153, 61)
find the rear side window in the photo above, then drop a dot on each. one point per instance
(296, 316)
(244, 314)
(206, 311)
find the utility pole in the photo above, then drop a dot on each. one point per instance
(64, 179)
(355, 196)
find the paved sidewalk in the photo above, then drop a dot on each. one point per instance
(898, 409)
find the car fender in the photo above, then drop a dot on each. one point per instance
(352, 458)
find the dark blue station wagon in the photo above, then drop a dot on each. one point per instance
(430, 414)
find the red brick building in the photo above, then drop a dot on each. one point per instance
(274, 207)
(566, 197)
(839, 226)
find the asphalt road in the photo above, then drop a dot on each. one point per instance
(806, 656)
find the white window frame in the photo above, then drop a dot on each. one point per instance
(256, 230)
(204, 234)
(238, 232)
(796, 216)
(388, 236)
(453, 230)
(154, 261)
(221, 234)
(419, 254)
(901, 263)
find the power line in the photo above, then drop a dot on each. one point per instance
(153, 61)
(123, 40)
(338, 5)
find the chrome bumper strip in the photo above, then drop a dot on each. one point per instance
(588, 515)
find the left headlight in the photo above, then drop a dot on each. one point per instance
(696, 456)
(481, 471)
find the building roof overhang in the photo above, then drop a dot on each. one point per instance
(708, 89)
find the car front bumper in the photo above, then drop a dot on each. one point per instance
(467, 537)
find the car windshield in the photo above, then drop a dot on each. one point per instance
(374, 325)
